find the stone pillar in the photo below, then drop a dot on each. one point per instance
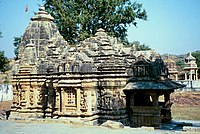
(167, 97)
(24, 98)
(89, 102)
(16, 99)
(196, 74)
(60, 99)
(190, 75)
(185, 76)
(132, 99)
(176, 75)
(155, 100)
(63, 98)
(78, 98)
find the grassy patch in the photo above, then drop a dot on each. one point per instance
(186, 112)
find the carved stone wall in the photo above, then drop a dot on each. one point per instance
(111, 99)
(70, 95)
(28, 95)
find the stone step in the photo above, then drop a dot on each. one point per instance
(191, 129)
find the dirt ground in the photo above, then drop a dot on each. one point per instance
(5, 105)
(186, 105)
(188, 98)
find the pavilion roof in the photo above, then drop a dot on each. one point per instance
(150, 75)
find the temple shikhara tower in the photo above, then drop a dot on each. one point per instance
(96, 80)
(172, 68)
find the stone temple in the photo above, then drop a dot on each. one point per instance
(95, 81)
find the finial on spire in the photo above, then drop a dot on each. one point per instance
(42, 15)
(41, 8)
(100, 32)
(190, 57)
(190, 54)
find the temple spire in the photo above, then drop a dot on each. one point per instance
(42, 15)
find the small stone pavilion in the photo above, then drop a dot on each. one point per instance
(149, 81)
(52, 79)
(191, 68)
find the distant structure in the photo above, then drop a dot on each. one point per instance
(191, 68)
(55, 80)
(172, 68)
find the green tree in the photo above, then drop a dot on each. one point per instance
(142, 47)
(138, 46)
(79, 19)
(17, 41)
(180, 64)
(4, 62)
(1, 34)
(196, 54)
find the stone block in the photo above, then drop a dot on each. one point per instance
(147, 128)
(191, 129)
(112, 124)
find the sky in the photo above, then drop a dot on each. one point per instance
(173, 26)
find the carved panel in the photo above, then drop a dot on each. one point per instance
(93, 99)
(83, 101)
(22, 95)
(31, 97)
(113, 99)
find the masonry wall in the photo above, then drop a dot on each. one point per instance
(93, 97)
(6, 92)
(190, 85)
